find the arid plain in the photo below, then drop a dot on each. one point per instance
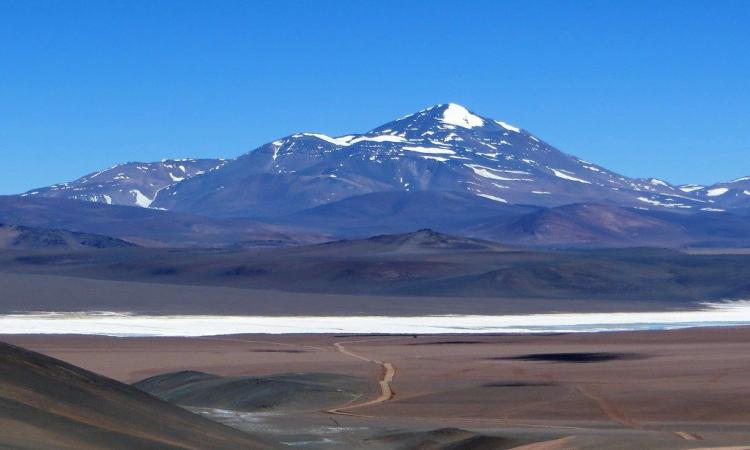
(649, 389)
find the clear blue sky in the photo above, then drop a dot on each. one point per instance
(658, 88)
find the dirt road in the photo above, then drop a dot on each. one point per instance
(388, 372)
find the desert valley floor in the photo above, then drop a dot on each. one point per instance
(631, 390)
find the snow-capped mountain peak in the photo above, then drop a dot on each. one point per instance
(454, 114)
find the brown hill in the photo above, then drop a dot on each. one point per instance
(48, 404)
(21, 237)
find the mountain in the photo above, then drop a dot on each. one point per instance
(444, 167)
(129, 184)
(48, 404)
(21, 237)
(727, 195)
(445, 148)
(146, 227)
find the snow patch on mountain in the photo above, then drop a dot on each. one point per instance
(323, 137)
(486, 172)
(459, 116)
(430, 150)
(492, 197)
(140, 199)
(435, 158)
(691, 187)
(591, 168)
(508, 126)
(658, 182)
(565, 176)
(654, 202)
(716, 192)
(380, 138)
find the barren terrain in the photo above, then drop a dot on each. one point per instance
(653, 389)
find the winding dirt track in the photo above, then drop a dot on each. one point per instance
(385, 379)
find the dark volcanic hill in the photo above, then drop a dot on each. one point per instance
(47, 404)
(280, 392)
(21, 237)
(423, 241)
(443, 148)
(129, 184)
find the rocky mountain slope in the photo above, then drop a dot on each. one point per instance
(728, 195)
(129, 184)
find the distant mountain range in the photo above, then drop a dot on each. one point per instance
(443, 167)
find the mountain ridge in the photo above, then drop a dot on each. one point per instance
(130, 183)
(444, 167)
